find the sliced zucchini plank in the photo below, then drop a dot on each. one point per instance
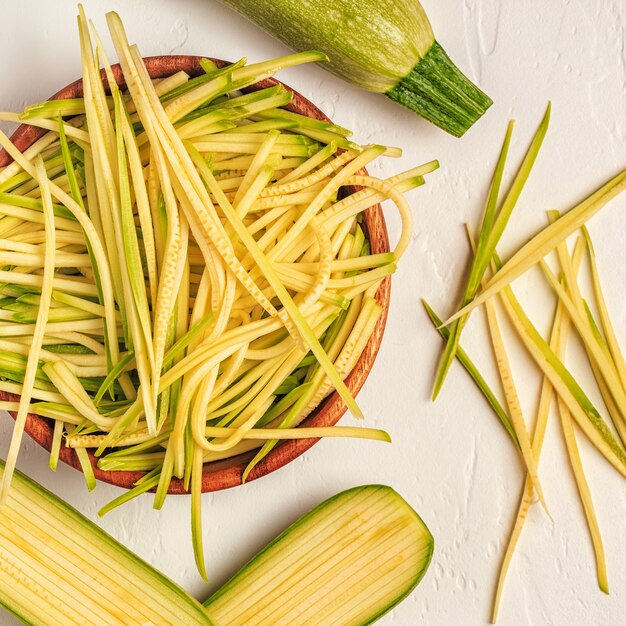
(347, 562)
(57, 567)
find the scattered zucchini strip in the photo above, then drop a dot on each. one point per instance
(208, 286)
(494, 223)
(512, 399)
(599, 340)
(569, 434)
(545, 242)
(476, 376)
(608, 332)
(585, 493)
(475, 277)
(257, 434)
(541, 423)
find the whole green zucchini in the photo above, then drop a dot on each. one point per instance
(385, 46)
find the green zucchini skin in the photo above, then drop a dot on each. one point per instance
(371, 43)
(349, 506)
(384, 46)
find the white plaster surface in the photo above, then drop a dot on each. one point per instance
(452, 460)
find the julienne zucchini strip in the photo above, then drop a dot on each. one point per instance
(605, 319)
(38, 333)
(493, 226)
(476, 376)
(474, 279)
(545, 401)
(545, 242)
(569, 436)
(599, 339)
(209, 288)
(511, 394)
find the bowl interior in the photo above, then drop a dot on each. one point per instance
(224, 474)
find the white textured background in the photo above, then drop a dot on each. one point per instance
(452, 461)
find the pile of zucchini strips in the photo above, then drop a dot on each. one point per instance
(182, 280)
(581, 309)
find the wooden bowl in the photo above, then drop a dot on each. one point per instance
(224, 474)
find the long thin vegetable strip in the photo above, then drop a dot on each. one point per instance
(476, 376)
(545, 242)
(545, 400)
(579, 473)
(494, 224)
(510, 392)
(103, 153)
(257, 434)
(138, 312)
(76, 134)
(171, 268)
(473, 283)
(512, 399)
(605, 318)
(541, 423)
(77, 196)
(38, 333)
(197, 463)
(577, 402)
(566, 418)
(142, 204)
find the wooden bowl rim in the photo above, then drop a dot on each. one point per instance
(220, 475)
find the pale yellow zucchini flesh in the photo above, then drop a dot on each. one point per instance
(57, 567)
(347, 562)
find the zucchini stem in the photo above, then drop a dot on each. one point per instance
(437, 90)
